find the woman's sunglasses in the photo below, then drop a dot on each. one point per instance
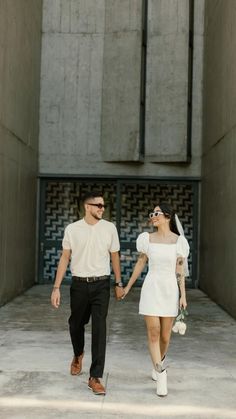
(155, 214)
(100, 206)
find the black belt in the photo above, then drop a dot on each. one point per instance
(90, 278)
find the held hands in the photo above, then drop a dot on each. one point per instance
(126, 291)
(119, 293)
(55, 297)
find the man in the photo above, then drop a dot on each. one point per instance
(89, 244)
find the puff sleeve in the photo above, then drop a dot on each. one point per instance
(182, 247)
(142, 243)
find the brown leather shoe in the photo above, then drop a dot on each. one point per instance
(96, 386)
(76, 365)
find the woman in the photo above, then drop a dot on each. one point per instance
(166, 251)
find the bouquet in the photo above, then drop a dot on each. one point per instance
(180, 324)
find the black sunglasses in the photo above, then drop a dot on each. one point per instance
(100, 206)
(155, 214)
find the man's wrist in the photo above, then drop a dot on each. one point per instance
(56, 288)
(119, 283)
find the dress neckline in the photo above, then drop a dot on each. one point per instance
(165, 244)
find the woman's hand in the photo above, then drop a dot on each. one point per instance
(182, 302)
(126, 291)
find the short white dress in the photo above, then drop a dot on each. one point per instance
(160, 293)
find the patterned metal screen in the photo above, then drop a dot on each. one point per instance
(137, 200)
(62, 207)
(129, 204)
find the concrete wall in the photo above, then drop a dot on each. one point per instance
(90, 88)
(20, 46)
(218, 232)
(167, 81)
(121, 81)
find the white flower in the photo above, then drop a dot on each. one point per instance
(179, 327)
(175, 329)
(176, 326)
(182, 328)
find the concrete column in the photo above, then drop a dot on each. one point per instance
(167, 81)
(120, 137)
(71, 82)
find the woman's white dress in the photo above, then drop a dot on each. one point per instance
(159, 293)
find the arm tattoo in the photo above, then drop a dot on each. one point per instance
(180, 278)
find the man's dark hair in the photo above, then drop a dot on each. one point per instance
(91, 195)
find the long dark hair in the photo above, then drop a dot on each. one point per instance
(169, 213)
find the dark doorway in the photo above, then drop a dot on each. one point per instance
(129, 203)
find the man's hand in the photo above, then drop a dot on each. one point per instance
(55, 297)
(119, 293)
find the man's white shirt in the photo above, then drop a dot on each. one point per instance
(90, 246)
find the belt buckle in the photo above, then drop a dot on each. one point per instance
(90, 279)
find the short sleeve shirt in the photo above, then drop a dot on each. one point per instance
(90, 247)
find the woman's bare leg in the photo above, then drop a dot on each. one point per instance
(153, 332)
(166, 324)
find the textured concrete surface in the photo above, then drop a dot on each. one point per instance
(121, 81)
(90, 88)
(167, 80)
(20, 54)
(35, 353)
(218, 233)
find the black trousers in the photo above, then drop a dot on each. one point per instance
(90, 299)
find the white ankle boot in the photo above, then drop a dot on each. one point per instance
(161, 383)
(154, 372)
(154, 375)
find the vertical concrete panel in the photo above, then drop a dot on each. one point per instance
(123, 15)
(20, 50)
(52, 15)
(120, 137)
(87, 16)
(73, 16)
(219, 70)
(71, 84)
(20, 68)
(65, 16)
(71, 94)
(167, 81)
(197, 81)
(218, 233)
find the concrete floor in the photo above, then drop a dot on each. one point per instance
(35, 353)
